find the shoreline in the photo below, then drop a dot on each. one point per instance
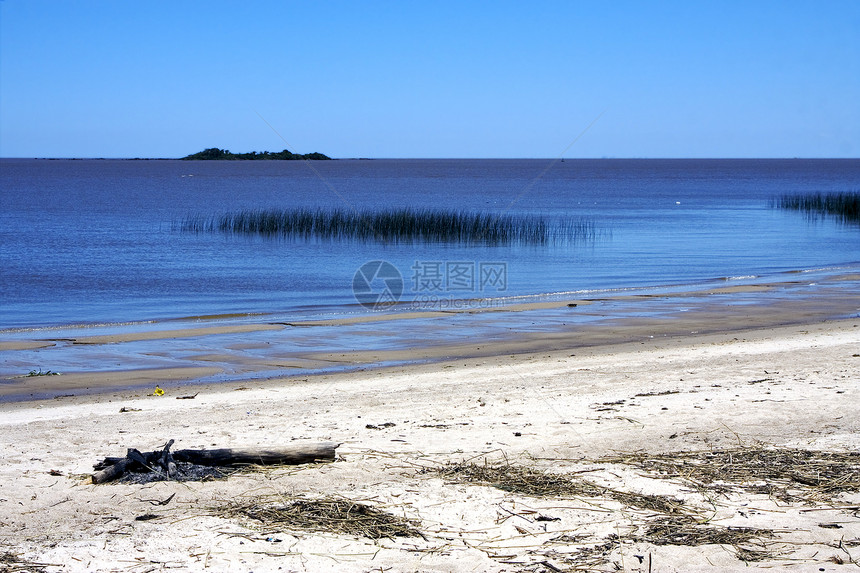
(178, 383)
(781, 389)
(203, 352)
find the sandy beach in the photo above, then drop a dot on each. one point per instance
(452, 451)
(449, 287)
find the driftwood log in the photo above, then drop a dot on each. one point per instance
(164, 460)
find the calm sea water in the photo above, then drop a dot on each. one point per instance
(95, 241)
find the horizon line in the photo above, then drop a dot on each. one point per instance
(358, 158)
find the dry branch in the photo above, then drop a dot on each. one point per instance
(164, 461)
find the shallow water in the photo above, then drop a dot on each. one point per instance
(175, 353)
(95, 242)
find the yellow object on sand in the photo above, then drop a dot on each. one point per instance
(158, 392)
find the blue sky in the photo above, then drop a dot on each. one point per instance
(431, 79)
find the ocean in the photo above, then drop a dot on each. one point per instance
(89, 243)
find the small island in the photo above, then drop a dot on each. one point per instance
(213, 153)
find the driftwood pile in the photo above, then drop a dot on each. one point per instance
(187, 464)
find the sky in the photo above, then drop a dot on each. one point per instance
(437, 79)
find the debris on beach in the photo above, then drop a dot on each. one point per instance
(40, 373)
(788, 475)
(380, 426)
(784, 473)
(12, 562)
(198, 465)
(528, 481)
(325, 515)
(576, 553)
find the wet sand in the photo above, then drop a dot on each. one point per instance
(215, 350)
(24, 344)
(174, 334)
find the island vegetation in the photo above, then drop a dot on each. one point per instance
(213, 153)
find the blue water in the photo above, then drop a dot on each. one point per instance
(95, 242)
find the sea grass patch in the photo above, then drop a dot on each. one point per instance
(327, 515)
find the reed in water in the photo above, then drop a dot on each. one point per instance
(843, 206)
(397, 225)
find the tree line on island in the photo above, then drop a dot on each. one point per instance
(213, 153)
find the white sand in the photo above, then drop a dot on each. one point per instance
(786, 387)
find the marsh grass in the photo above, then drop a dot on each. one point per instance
(845, 207)
(396, 226)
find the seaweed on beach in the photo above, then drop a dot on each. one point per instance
(529, 481)
(749, 544)
(810, 475)
(583, 557)
(327, 515)
(815, 474)
(14, 563)
(516, 479)
(683, 530)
